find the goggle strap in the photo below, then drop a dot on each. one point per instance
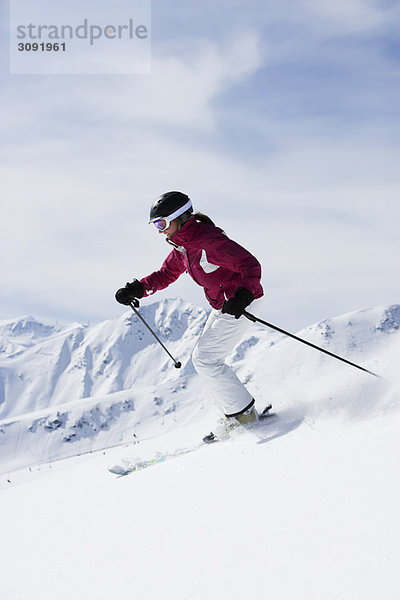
(178, 212)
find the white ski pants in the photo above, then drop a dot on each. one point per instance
(221, 333)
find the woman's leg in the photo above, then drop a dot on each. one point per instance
(221, 333)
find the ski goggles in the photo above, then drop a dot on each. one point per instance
(162, 224)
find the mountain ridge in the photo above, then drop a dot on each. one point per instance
(73, 389)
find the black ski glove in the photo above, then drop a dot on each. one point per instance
(236, 305)
(131, 291)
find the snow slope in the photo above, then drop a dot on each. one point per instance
(305, 508)
(313, 513)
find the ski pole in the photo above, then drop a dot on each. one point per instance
(256, 319)
(134, 306)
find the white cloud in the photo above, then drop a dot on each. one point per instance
(181, 89)
(345, 16)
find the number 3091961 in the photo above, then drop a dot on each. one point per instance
(43, 47)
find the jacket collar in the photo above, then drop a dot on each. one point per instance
(185, 233)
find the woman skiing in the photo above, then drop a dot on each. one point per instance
(230, 277)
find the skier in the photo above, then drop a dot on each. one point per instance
(230, 276)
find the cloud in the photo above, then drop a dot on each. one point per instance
(179, 93)
(346, 16)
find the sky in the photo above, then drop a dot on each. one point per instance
(279, 119)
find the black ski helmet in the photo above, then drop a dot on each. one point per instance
(170, 206)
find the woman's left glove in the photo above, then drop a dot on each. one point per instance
(236, 305)
(132, 290)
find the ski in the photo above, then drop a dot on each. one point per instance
(127, 467)
(131, 466)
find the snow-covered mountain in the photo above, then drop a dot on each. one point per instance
(306, 509)
(43, 366)
(69, 390)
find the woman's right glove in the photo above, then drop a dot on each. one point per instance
(237, 305)
(132, 290)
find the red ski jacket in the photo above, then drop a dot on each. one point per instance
(215, 262)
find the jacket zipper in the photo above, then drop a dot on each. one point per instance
(184, 251)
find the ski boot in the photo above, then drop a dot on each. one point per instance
(222, 431)
(245, 418)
